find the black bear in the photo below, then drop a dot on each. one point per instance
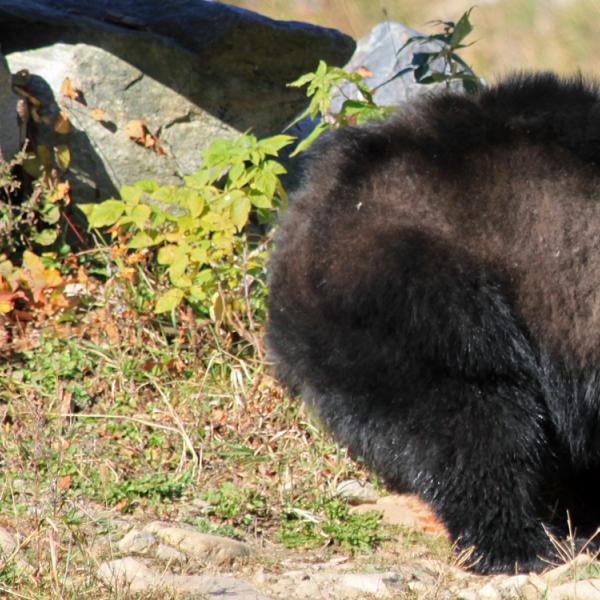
(435, 298)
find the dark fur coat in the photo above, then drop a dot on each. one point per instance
(435, 297)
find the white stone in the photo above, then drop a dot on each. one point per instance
(357, 492)
(369, 583)
(588, 589)
(169, 554)
(201, 546)
(135, 576)
(136, 541)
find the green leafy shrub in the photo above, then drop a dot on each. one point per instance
(425, 66)
(330, 522)
(320, 87)
(235, 505)
(454, 67)
(200, 231)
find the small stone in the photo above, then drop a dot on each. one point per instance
(200, 504)
(130, 573)
(588, 589)
(201, 546)
(169, 554)
(489, 592)
(135, 576)
(512, 584)
(8, 547)
(357, 492)
(8, 543)
(375, 584)
(574, 569)
(136, 542)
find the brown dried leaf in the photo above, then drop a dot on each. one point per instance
(98, 114)
(136, 130)
(364, 72)
(61, 125)
(67, 89)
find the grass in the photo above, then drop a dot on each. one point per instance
(543, 35)
(117, 418)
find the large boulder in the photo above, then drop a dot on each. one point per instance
(189, 71)
(232, 63)
(9, 128)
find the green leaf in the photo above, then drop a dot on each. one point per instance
(106, 213)
(45, 237)
(196, 293)
(166, 255)
(461, 30)
(272, 145)
(32, 166)
(169, 300)
(195, 204)
(130, 194)
(87, 209)
(179, 265)
(140, 215)
(199, 255)
(259, 200)
(310, 138)
(51, 214)
(240, 210)
(217, 308)
(62, 156)
(203, 277)
(146, 185)
(169, 194)
(141, 240)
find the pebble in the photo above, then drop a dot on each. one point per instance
(136, 576)
(136, 542)
(588, 589)
(354, 491)
(205, 547)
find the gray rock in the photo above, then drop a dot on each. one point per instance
(205, 547)
(103, 157)
(357, 492)
(229, 62)
(169, 554)
(137, 542)
(9, 138)
(375, 584)
(9, 548)
(573, 570)
(588, 589)
(8, 543)
(378, 53)
(135, 576)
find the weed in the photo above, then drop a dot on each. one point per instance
(330, 522)
(235, 505)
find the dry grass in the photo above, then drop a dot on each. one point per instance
(563, 35)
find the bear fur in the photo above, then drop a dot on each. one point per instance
(435, 298)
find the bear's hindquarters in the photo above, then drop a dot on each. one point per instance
(424, 372)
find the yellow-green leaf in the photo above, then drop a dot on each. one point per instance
(140, 215)
(169, 300)
(199, 255)
(62, 156)
(240, 210)
(195, 205)
(217, 308)
(45, 237)
(106, 213)
(167, 254)
(140, 240)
